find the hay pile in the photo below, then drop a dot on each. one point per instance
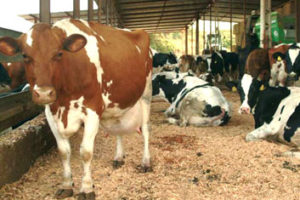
(189, 164)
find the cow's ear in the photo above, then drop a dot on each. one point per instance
(74, 42)
(9, 46)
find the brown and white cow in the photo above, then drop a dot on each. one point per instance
(87, 74)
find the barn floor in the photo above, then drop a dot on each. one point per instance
(189, 164)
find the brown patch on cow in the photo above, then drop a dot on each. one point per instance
(83, 109)
(282, 49)
(16, 72)
(76, 105)
(258, 64)
(187, 62)
(59, 113)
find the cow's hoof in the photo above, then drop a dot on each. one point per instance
(86, 196)
(251, 138)
(117, 164)
(144, 169)
(63, 193)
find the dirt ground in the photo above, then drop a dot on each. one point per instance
(189, 164)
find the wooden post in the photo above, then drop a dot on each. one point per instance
(231, 25)
(297, 13)
(197, 34)
(186, 40)
(192, 40)
(99, 10)
(204, 31)
(112, 13)
(90, 10)
(45, 11)
(76, 9)
(245, 22)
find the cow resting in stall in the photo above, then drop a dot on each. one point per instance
(84, 77)
(193, 101)
(276, 112)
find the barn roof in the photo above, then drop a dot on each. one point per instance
(166, 15)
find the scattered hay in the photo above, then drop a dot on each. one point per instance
(188, 163)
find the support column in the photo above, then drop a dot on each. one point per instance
(45, 11)
(268, 24)
(245, 22)
(230, 25)
(107, 12)
(76, 9)
(186, 40)
(297, 13)
(90, 10)
(197, 34)
(210, 15)
(99, 10)
(192, 40)
(204, 32)
(262, 22)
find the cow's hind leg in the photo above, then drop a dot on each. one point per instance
(91, 126)
(119, 157)
(64, 149)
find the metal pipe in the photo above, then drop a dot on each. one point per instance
(192, 40)
(231, 25)
(197, 34)
(245, 23)
(45, 11)
(262, 22)
(203, 31)
(99, 10)
(186, 40)
(269, 23)
(76, 9)
(210, 15)
(297, 21)
(90, 10)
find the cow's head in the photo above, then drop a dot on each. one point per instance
(16, 72)
(43, 49)
(249, 89)
(172, 58)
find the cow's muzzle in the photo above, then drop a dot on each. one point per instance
(43, 95)
(244, 110)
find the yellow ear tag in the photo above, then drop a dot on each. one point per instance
(279, 58)
(262, 87)
(233, 89)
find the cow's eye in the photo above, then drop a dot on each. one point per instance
(58, 55)
(26, 58)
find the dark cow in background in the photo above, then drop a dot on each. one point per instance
(231, 62)
(163, 61)
(252, 42)
(193, 101)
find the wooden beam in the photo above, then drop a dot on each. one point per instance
(76, 9)
(90, 10)
(297, 13)
(45, 11)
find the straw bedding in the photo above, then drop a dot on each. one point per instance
(189, 163)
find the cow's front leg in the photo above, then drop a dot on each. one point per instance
(119, 157)
(91, 125)
(64, 149)
(262, 132)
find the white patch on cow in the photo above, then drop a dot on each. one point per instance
(245, 84)
(91, 46)
(124, 29)
(9, 64)
(138, 49)
(108, 84)
(293, 54)
(150, 55)
(29, 39)
(219, 54)
(101, 37)
(105, 97)
(208, 64)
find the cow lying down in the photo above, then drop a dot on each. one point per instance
(193, 101)
(276, 111)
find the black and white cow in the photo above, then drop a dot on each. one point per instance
(192, 100)
(276, 111)
(293, 59)
(163, 60)
(231, 62)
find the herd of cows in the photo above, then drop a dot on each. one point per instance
(94, 76)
